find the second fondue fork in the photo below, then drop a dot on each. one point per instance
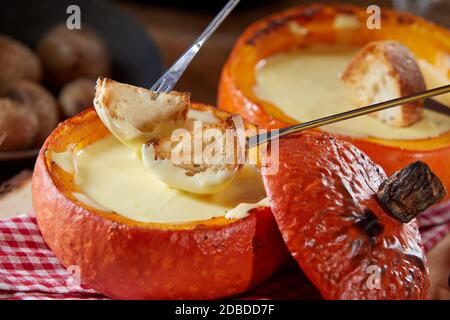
(262, 138)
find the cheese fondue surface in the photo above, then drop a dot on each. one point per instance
(111, 177)
(305, 85)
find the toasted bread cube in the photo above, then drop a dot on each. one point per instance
(385, 70)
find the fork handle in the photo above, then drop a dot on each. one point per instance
(170, 78)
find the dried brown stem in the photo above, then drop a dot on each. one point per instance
(410, 191)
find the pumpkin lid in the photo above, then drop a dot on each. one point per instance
(324, 199)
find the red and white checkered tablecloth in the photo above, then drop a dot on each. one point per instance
(434, 225)
(29, 269)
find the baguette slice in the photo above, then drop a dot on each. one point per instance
(202, 160)
(385, 70)
(135, 115)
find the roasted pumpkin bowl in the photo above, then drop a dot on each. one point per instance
(128, 259)
(316, 24)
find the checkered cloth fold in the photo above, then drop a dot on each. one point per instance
(434, 225)
(29, 269)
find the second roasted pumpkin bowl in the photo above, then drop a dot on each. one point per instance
(192, 255)
(339, 26)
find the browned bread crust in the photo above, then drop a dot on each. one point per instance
(121, 98)
(384, 70)
(226, 159)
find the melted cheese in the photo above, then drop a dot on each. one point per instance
(109, 175)
(346, 22)
(434, 78)
(205, 116)
(205, 182)
(64, 160)
(305, 85)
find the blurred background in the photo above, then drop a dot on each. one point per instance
(133, 42)
(174, 24)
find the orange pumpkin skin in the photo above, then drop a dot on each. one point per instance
(125, 259)
(391, 159)
(272, 35)
(344, 241)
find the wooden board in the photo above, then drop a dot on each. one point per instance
(15, 195)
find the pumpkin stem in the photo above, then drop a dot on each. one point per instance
(410, 191)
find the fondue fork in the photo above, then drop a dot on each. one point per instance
(174, 73)
(265, 137)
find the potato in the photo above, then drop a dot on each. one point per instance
(17, 61)
(18, 126)
(36, 99)
(70, 54)
(76, 96)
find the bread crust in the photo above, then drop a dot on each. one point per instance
(106, 88)
(398, 65)
(163, 148)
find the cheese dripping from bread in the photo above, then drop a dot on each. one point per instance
(135, 115)
(201, 158)
(148, 122)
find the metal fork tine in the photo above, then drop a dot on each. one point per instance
(157, 86)
(162, 85)
(166, 87)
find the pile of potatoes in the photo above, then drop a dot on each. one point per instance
(66, 63)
